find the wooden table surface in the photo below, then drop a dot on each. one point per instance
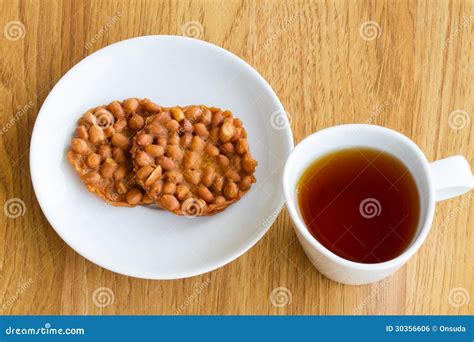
(406, 65)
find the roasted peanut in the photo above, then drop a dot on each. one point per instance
(121, 172)
(162, 118)
(146, 199)
(174, 177)
(117, 110)
(162, 142)
(93, 160)
(130, 105)
(217, 119)
(120, 125)
(119, 155)
(120, 140)
(133, 196)
(222, 160)
(144, 139)
(154, 176)
(219, 200)
(218, 184)
(142, 158)
(227, 147)
(241, 146)
(237, 122)
(185, 140)
(249, 164)
(144, 171)
(156, 188)
(245, 183)
(201, 130)
(212, 150)
(92, 177)
(192, 176)
(151, 107)
(96, 134)
(154, 150)
(191, 160)
(181, 191)
(169, 188)
(208, 176)
(136, 122)
(227, 132)
(237, 162)
(233, 175)
(169, 202)
(81, 132)
(214, 135)
(177, 113)
(206, 117)
(108, 167)
(157, 130)
(238, 134)
(231, 190)
(174, 152)
(166, 163)
(121, 189)
(197, 144)
(105, 151)
(89, 118)
(173, 139)
(193, 113)
(205, 194)
(109, 131)
(79, 146)
(172, 126)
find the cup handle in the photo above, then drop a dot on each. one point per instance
(451, 177)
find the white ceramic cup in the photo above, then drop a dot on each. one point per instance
(436, 181)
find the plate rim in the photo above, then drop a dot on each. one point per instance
(208, 267)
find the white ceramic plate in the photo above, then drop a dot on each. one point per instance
(145, 242)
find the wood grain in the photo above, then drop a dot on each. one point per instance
(416, 71)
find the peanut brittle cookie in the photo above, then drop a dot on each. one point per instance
(193, 161)
(100, 150)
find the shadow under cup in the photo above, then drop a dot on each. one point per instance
(360, 136)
